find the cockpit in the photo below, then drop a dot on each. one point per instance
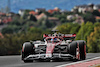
(54, 40)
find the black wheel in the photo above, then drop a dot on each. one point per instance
(82, 47)
(26, 51)
(74, 50)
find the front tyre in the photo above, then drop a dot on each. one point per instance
(27, 49)
(74, 50)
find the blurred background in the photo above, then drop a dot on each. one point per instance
(25, 20)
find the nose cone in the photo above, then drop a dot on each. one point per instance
(49, 49)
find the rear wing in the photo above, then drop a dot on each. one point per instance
(60, 35)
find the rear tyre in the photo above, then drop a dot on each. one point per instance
(82, 47)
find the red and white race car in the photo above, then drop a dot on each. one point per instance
(54, 46)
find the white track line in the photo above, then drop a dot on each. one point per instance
(78, 62)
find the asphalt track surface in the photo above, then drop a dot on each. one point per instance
(15, 61)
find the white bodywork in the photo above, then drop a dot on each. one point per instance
(37, 43)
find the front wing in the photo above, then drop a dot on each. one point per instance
(49, 56)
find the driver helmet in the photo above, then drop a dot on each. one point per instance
(51, 39)
(55, 38)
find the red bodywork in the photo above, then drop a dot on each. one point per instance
(51, 44)
(61, 35)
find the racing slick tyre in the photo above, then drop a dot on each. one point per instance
(82, 46)
(26, 51)
(74, 50)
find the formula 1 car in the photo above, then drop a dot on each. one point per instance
(54, 46)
